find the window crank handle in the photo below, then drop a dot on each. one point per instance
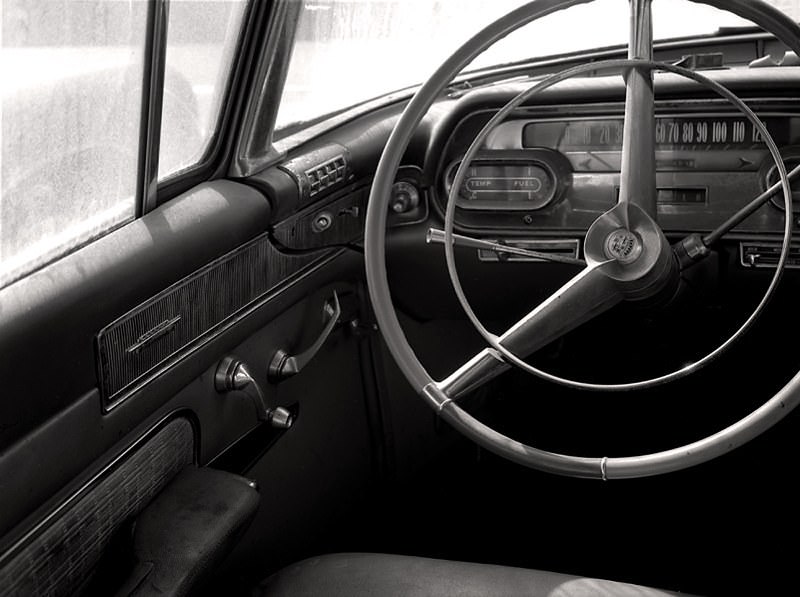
(233, 375)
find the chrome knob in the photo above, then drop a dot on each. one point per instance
(281, 418)
(405, 197)
(232, 375)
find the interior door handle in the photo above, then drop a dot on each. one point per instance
(283, 366)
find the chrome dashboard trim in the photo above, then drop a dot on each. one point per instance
(573, 245)
(792, 262)
(508, 135)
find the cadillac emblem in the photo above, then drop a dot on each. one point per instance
(623, 246)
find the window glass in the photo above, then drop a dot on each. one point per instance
(350, 51)
(71, 76)
(201, 43)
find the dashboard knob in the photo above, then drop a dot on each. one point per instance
(405, 197)
(281, 418)
(322, 221)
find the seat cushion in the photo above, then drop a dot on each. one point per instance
(355, 574)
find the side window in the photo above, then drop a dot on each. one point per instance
(71, 99)
(72, 79)
(202, 39)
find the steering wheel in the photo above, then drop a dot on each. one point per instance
(627, 254)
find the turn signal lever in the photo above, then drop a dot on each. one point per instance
(232, 374)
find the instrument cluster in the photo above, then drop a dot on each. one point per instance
(560, 172)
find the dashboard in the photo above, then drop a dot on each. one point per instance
(546, 173)
(540, 180)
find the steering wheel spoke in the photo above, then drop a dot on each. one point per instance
(638, 173)
(584, 297)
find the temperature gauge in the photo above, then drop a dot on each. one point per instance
(508, 183)
(530, 184)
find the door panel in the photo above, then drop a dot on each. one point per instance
(59, 436)
(319, 473)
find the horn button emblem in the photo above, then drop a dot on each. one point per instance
(623, 245)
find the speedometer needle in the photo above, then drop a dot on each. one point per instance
(437, 236)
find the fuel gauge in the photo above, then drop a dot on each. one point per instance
(509, 181)
(531, 184)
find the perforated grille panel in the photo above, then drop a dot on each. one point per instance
(58, 558)
(165, 328)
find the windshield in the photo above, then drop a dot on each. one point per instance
(349, 51)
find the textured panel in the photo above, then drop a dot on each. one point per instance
(345, 214)
(58, 558)
(162, 330)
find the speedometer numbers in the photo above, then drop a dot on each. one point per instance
(715, 132)
(671, 133)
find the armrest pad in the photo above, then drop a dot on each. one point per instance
(189, 528)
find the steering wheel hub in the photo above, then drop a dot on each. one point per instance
(624, 246)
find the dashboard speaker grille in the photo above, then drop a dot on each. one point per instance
(165, 328)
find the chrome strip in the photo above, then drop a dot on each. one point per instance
(162, 329)
(152, 104)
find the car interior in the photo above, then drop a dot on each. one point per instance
(518, 329)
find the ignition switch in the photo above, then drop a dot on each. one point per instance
(405, 197)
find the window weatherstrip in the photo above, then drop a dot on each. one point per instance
(152, 102)
(255, 143)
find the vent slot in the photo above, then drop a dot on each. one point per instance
(319, 170)
(326, 175)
